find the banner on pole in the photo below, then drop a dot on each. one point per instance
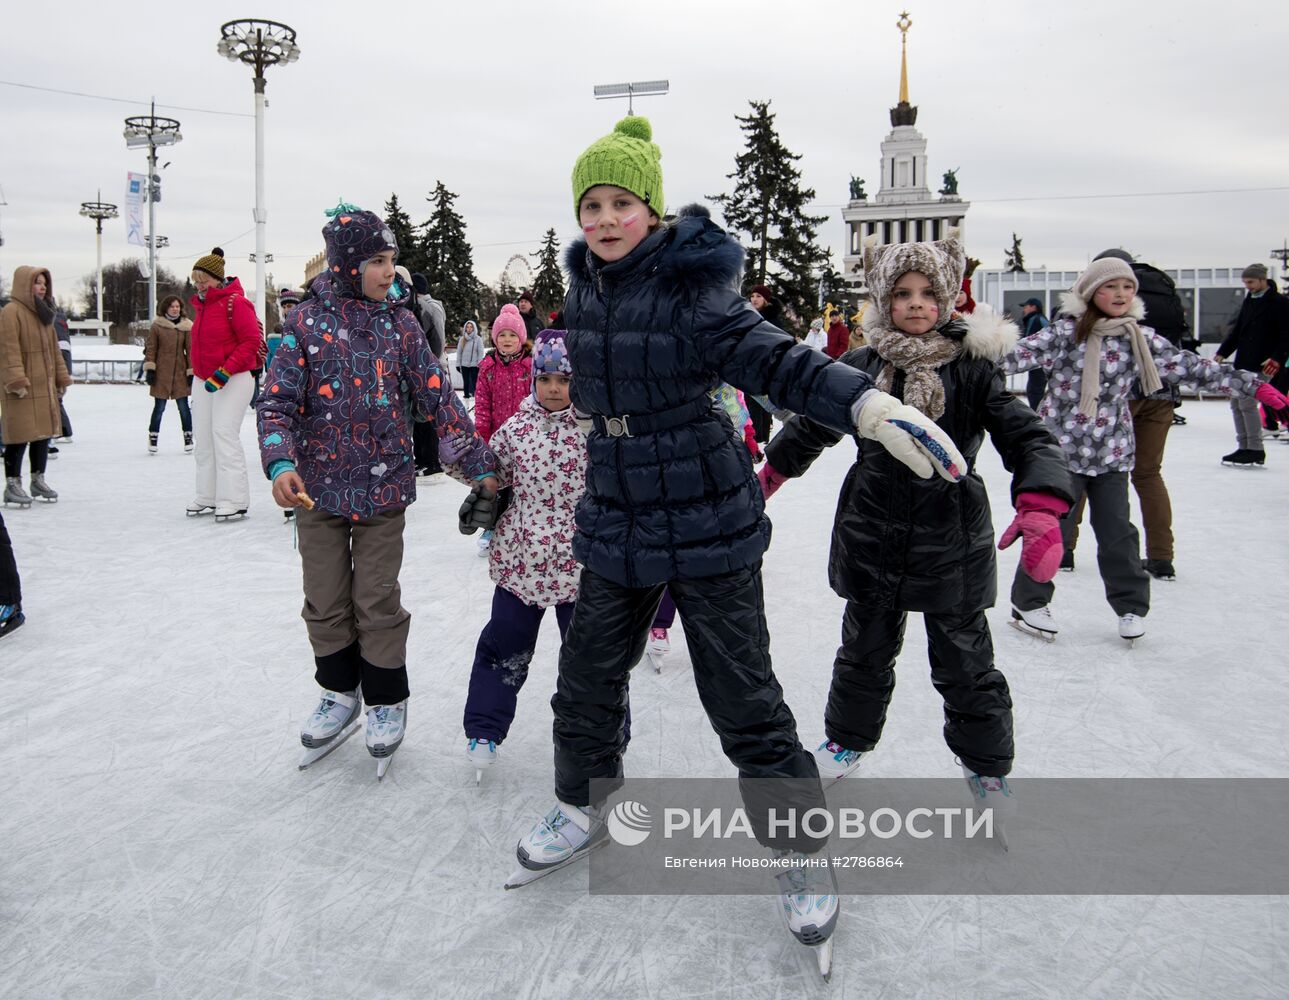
(135, 189)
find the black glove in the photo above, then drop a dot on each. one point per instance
(150, 376)
(479, 510)
(507, 494)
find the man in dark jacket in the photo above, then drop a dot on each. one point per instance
(1259, 341)
(528, 310)
(1033, 320)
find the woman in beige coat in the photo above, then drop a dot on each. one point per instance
(33, 377)
(168, 369)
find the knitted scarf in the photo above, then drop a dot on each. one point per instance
(919, 358)
(44, 311)
(1090, 389)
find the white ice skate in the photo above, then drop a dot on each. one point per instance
(187, 442)
(41, 490)
(1038, 623)
(657, 648)
(334, 720)
(996, 794)
(15, 494)
(1131, 627)
(385, 727)
(197, 509)
(152, 443)
(485, 540)
(229, 512)
(482, 754)
(809, 904)
(835, 761)
(565, 834)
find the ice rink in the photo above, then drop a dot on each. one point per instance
(158, 842)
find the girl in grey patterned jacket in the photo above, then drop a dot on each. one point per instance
(1090, 419)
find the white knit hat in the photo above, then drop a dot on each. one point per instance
(1098, 273)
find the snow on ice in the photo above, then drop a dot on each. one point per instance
(157, 841)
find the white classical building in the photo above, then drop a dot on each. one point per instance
(904, 209)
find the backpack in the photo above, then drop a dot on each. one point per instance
(260, 354)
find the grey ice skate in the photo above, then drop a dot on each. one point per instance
(14, 493)
(41, 490)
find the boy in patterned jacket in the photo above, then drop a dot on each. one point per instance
(541, 459)
(352, 370)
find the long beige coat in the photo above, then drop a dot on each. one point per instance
(166, 353)
(32, 372)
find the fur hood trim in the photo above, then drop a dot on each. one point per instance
(689, 248)
(1074, 307)
(985, 334)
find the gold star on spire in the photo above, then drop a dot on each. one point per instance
(904, 23)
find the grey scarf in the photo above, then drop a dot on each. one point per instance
(1090, 388)
(45, 311)
(919, 358)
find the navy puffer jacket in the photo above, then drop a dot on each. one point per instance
(654, 332)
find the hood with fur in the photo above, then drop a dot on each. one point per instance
(942, 261)
(1074, 307)
(688, 249)
(984, 334)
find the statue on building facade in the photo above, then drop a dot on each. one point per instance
(857, 188)
(950, 183)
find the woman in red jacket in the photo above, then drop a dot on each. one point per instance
(226, 343)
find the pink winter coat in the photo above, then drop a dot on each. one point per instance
(502, 387)
(542, 455)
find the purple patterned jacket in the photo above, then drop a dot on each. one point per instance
(344, 387)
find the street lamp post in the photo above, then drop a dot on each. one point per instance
(259, 44)
(152, 131)
(98, 211)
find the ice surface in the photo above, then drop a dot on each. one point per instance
(157, 841)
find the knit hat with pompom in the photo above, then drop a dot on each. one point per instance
(212, 264)
(625, 158)
(510, 319)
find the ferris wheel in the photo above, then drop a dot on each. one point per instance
(517, 273)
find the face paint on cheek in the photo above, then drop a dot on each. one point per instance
(589, 229)
(630, 220)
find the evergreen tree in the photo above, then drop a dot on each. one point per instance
(448, 259)
(768, 209)
(1013, 259)
(410, 252)
(548, 286)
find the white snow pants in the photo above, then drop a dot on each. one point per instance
(217, 434)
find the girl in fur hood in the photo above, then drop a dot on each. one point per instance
(904, 544)
(1099, 330)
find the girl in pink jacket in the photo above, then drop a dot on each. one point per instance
(505, 375)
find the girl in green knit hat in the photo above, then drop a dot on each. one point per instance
(655, 320)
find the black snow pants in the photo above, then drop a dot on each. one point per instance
(10, 588)
(724, 621)
(977, 702)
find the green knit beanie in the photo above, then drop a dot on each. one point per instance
(625, 158)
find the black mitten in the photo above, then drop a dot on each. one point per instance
(479, 510)
(150, 376)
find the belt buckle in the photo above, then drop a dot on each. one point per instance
(617, 427)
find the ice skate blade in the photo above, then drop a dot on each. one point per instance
(312, 755)
(522, 876)
(200, 513)
(17, 503)
(478, 776)
(47, 499)
(823, 959)
(382, 765)
(224, 518)
(1033, 633)
(655, 661)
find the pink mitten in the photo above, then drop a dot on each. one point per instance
(1038, 524)
(770, 480)
(1271, 398)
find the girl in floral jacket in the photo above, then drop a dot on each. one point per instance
(541, 459)
(1091, 421)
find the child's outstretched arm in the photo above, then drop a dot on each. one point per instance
(1179, 367)
(431, 396)
(758, 357)
(1038, 350)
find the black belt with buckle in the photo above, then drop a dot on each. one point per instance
(631, 425)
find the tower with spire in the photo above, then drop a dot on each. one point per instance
(904, 209)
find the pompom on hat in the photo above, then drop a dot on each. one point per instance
(1098, 273)
(510, 319)
(212, 264)
(626, 158)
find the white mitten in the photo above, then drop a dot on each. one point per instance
(909, 435)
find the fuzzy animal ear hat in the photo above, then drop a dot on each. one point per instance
(942, 261)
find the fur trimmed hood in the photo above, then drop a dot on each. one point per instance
(985, 334)
(690, 249)
(1074, 307)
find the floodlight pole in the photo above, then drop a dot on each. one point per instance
(647, 88)
(259, 44)
(1282, 255)
(98, 211)
(158, 132)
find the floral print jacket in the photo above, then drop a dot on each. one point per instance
(542, 456)
(1105, 443)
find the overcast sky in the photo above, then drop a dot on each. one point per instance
(1032, 102)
